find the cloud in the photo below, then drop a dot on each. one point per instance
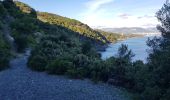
(97, 13)
(145, 16)
(133, 21)
(124, 16)
(95, 5)
(148, 25)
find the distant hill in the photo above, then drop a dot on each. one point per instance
(132, 30)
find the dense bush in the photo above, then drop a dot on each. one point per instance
(158, 81)
(4, 58)
(1, 25)
(37, 63)
(23, 30)
(25, 25)
(86, 47)
(4, 47)
(63, 56)
(79, 73)
(98, 71)
(58, 66)
(2, 10)
(80, 65)
(4, 53)
(151, 81)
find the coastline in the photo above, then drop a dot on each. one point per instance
(102, 48)
(136, 44)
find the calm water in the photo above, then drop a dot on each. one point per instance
(137, 45)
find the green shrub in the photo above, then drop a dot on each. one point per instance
(2, 10)
(21, 42)
(81, 67)
(37, 63)
(1, 25)
(151, 93)
(4, 59)
(79, 73)
(81, 60)
(72, 73)
(99, 71)
(166, 96)
(86, 47)
(4, 53)
(58, 66)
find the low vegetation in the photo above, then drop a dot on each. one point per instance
(4, 53)
(4, 46)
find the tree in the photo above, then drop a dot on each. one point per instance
(8, 3)
(86, 47)
(8, 0)
(124, 53)
(159, 59)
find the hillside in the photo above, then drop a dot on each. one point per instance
(112, 37)
(50, 36)
(72, 24)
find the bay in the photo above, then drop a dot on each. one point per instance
(137, 45)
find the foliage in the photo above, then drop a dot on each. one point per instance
(37, 63)
(1, 25)
(25, 8)
(159, 59)
(124, 53)
(80, 66)
(4, 53)
(23, 24)
(23, 30)
(2, 10)
(58, 66)
(86, 47)
(151, 81)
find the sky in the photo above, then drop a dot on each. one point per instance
(103, 13)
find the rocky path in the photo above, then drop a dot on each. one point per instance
(20, 83)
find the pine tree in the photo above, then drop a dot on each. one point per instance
(159, 59)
